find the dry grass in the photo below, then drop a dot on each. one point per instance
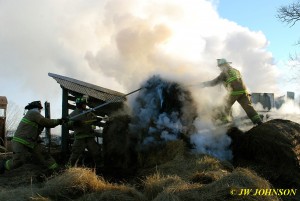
(77, 182)
(187, 165)
(181, 191)
(156, 183)
(208, 176)
(218, 190)
(74, 182)
(84, 185)
(114, 195)
(238, 179)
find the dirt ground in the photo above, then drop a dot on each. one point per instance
(25, 175)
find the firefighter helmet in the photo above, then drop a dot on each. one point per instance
(222, 62)
(34, 104)
(82, 101)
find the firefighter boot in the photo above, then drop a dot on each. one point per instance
(259, 120)
(2, 166)
(259, 123)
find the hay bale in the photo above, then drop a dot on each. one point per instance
(272, 149)
(73, 183)
(208, 177)
(179, 192)
(187, 165)
(167, 196)
(156, 183)
(123, 193)
(84, 183)
(240, 178)
(116, 143)
(160, 153)
(219, 190)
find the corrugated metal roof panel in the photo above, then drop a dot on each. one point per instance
(91, 90)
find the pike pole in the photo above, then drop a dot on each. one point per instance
(104, 104)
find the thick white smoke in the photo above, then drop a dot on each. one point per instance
(119, 44)
(211, 140)
(162, 111)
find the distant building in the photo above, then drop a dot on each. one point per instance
(268, 101)
(265, 99)
(290, 95)
(279, 101)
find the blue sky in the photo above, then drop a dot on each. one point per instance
(260, 15)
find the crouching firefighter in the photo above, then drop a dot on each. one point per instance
(232, 80)
(84, 134)
(26, 142)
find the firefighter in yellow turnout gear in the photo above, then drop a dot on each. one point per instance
(26, 140)
(84, 134)
(232, 80)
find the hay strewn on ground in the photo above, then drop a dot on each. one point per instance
(84, 185)
(218, 190)
(186, 165)
(156, 183)
(184, 177)
(74, 184)
(77, 182)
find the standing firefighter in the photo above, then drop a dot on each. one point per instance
(26, 142)
(84, 134)
(232, 80)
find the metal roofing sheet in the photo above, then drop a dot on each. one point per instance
(88, 89)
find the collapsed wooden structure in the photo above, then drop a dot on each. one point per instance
(72, 89)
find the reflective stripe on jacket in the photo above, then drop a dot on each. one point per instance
(84, 129)
(31, 126)
(232, 80)
(24, 142)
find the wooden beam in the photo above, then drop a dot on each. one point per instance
(64, 128)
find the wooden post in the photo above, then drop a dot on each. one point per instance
(3, 107)
(48, 130)
(64, 128)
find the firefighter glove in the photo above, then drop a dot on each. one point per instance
(78, 123)
(65, 120)
(105, 118)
